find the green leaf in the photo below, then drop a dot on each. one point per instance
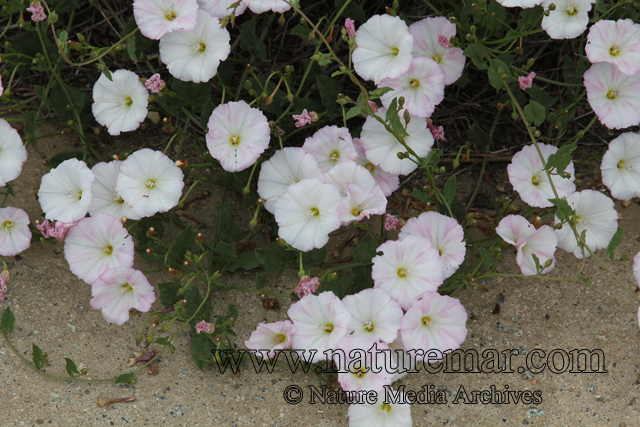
(250, 42)
(572, 72)
(564, 210)
(458, 209)
(585, 280)
(157, 257)
(226, 251)
(615, 241)
(71, 368)
(354, 111)
(392, 111)
(353, 10)
(463, 81)
(205, 114)
(38, 361)
(126, 379)
(478, 136)
(302, 31)
(487, 259)
(55, 161)
(423, 196)
(535, 113)
(246, 260)
(397, 126)
(449, 190)
(144, 224)
(314, 257)
(30, 126)
(186, 241)
(340, 287)
(364, 251)
(7, 321)
(329, 90)
(195, 93)
(537, 262)
(131, 49)
(529, 17)
(274, 258)
(561, 159)
(162, 341)
(228, 230)
(433, 158)
(496, 71)
(477, 55)
(60, 103)
(194, 299)
(261, 280)
(541, 96)
(168, 291)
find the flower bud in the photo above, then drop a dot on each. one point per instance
(199, 238)
(182, 164)
(281, 241)
(150, 231)
(187, 263)
(537, 133)
(537, 222)
(138, 338)
(149, 251)
(469, 36)
(552, 6)
(173, 271)
(453, 19)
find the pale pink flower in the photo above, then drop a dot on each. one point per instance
(569, 19)
(302, 119)
(616, 42)
(443, 233)
(320, 321)
(426, 42)
(350, 27)
(517, 231)
(407, 268)
(393, 413)
(268, 338)
(204, 326)
(613, 95)
(307, 286)
(403, 361)
(65, 192)
(384, 48)
(155, 83)
(37, 12)
(387, 182)
(620, 166)
(57, 231)
(529, 179)
(238, 135)
(155, 18)
(435, 322)
(15, 235)
(436, 131)
(381, 148)
(13, 154)
(331, 145)
(363, 367)
(97, 244)
(422, 87)
(349, 172)
(596, 214)
(361, 203)
(4, 279)
(374, 106)
(120, 289)
(261, 6)
(222, 8)
(636, 268)
(105, 198)
(392, 222)
(374, 315)
(285, 167)
(444, 42)
(307, 212)
(1, 87)
(526, 82)
(525, 4)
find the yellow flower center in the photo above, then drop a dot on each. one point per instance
(150, 184)
(370, 167)
(280, 338)
(200, 47)
(7, 225)
(234, 139)
(571, 10)
(613, 94)
(368, 326)
(107, 250)
(314, 211)
(437, 58)
(119, 200)
(395, 51)
(386, 407)
(535, 180)
(127, 102)
(328, 328)
(614, 50)
(170, 15)
(356, 211)
(403, 272)
(440, 251)
(623, 165)
(334, 157)
(426, 321)
(359, 373)
(125, 288)
(414, 83)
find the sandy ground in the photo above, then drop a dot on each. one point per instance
(52, 310)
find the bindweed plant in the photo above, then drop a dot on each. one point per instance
(320, 116)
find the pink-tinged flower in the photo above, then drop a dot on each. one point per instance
(204, 326)
(426, 42)
(525, 4)
(37, 12)
(374, 315)
(374, 106)
(349, 172)
(615, 42)
(620, 166)
(387, 182)
(105, 198)
(261, 6)
(636, 268)
(436, 131)
(155, 83)
(330, 145)
(443, 233)
(155, 18)
(568, 20)
(517, 231)
(307, 286)
(222, 8)
(238, 135)
(13, 154)
(526, 82)
(361, 203)
(422, 87)
(381, 148)
(350, 27)
(65, 192)
(307, 212)
(15, 235)
(97, 244)
(527, 175)
(120, 104)
(435, 322)
(407, 268)
(444, 42)
(320, 321)
(392, 222)
(194, 56)
(268, 338)
(384, 48)
(393, 413)
(363, 367)
(56, 231)
(613, 95)
(120, 289)
(302, 119)
(596, 214)
(149, 182)
(402, 361)
(4, 279)
(1, 87)
(285, 167)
